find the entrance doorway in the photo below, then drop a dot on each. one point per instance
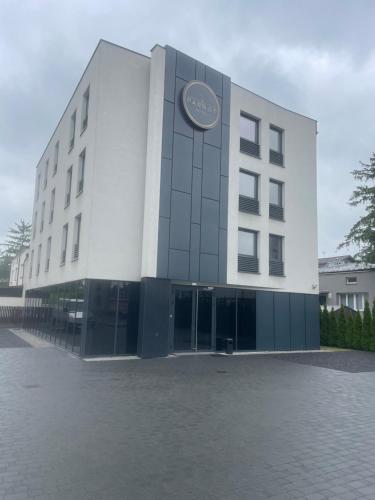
(193, 319)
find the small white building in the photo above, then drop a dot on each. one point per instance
(174, 209)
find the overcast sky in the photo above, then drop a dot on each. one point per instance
(314, 57)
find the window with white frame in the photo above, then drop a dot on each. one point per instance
(72, 131)
(52, 205)
(353, 300)
(64, 243)
(81, 171)
(42, 216)
(85, 109)
(48, 254)
(76, 237)
(38, 259)
(351, 280)
(56, 157)
(68, 188)
(45, 174)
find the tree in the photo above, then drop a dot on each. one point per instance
(362, 233)
(349, 331)
(17, 239)
(341, 328)
(366, 340)
(357, 331)
(324, 326)
(332, 334)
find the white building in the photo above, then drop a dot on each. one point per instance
(174, 209)
(17, 268)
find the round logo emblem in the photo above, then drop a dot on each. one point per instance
(201, 104)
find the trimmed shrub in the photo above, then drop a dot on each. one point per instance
(324, 326)
(366, 339)
(349, 331)
(357, 331)
(341, 328)
(332, 333)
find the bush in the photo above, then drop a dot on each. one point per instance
(341, 328)
(366, 339)
(332, 333)
(324, 326)
(357, 331)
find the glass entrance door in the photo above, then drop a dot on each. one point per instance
(193, 319)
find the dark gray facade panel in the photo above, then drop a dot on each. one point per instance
(194, 252)
(213, 136)
(196, 196)
(181, 123)
(154, 318)
(200, 71)
(198, 149)
(282, 321)
(210, 226)
(312, 321)
(224, 166)
(223, 202)
(211, 172)
(162, 260)
(179, 238)
(297, 321)
(167, 140)
(208, 268)
(225, 110)
(215, 80)
(182, 160)
(223, 237)
(185, 67)
(169, 79)
(165, 187)
(265, 321)
(178, 264)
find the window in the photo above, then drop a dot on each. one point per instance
(72, 133)
(276, 146)
(81, 171)
(64, 243)
(35, 223)
(38, 259)
(85, 109)
(351, 280)
(353, 300)
(56, 158)
(68, 188)
(276, 255)
(247, 251)
(249, 135)
(77, 234)
(52, 205)
(45, 174)
(31, 264)
(42, 216)
(276, 210)
(48, 254)
(248, 199)
(37, 189)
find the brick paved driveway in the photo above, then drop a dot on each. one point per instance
(199, 427)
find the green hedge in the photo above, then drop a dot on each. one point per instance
(344, 330)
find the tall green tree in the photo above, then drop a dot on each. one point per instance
(357, 331)
(332, 334)
(17, 239)
(324, 326)
(341, 328)
(349, 331)
(366, 339)
(362, 233)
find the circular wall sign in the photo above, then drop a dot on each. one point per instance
(201, 104)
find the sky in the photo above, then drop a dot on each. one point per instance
(314, 57)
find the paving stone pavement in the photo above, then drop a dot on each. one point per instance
(194, 427)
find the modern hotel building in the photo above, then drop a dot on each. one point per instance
(173, 209)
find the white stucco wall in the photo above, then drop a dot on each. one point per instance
(300, 204)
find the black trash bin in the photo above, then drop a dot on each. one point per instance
(229, 346)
